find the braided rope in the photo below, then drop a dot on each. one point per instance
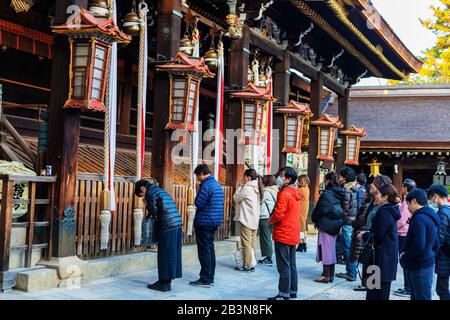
(140, 100)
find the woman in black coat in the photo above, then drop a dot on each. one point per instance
(328, 218)
(169, 232)
(385, 239)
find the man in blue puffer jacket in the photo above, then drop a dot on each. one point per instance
(209, 216)
(161, 206)
(418, 254)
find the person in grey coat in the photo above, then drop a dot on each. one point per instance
(268, 201)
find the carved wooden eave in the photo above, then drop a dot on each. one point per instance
(354, 131)
(364, 50)
(253, 92)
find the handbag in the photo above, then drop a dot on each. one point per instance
(149, 231)
(367, 256)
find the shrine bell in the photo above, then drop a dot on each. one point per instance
(353, 137)
(90, 39)
(294, 118)
(185, 77)
(327, 127)
(253, 99)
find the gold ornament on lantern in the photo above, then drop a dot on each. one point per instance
(99, 8)
(131, 22)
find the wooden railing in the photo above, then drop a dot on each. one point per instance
(87, 206)
(38, 213)
(180, 197)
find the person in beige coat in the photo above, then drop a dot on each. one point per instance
(248, 197)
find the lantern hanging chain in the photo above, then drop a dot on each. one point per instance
(140, 102)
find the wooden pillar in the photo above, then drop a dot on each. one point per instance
(344, 116)
(282, 86)
(397, 178)
(125, 99)
(313, 163)
(167, 45)
(238, 72)
(64, 135)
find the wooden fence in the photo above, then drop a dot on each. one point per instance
(180, 196)
(37, 213)
(87, 206)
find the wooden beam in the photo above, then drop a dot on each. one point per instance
(64, 135)
(343, 113)
(282, 87)
(238, 72)
(125, 99)
(167, 45)
(264, 44)
(313, 163)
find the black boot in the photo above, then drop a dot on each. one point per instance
(332, 272)
(325, 277)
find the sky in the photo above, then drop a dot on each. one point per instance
(403, 16)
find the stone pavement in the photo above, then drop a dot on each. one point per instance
(229, 284)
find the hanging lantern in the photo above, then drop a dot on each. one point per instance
(90, 45)
(294, 118)
(353, 142)
(185, 76)
(99, 8)
(327, 127)
(211, 59)
(374, 168)
(132, 22)
(253, 99)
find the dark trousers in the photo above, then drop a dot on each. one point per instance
(421, 283)
(287, 268)
(379, 294)
(206, 254)
(401, 244)
(442, 288)
(265, 238)
(169, 254)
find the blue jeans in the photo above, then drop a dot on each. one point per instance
(350, 267)
(421, 282)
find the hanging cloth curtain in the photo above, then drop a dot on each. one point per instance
(218, 157)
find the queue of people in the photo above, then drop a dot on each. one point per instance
(379, 227)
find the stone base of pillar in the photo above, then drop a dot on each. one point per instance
(70, 270)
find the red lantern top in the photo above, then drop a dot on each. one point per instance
(255, 93)
(84, 23)
(354, 131)
(295, 107)
(186, 65)
(328, 121)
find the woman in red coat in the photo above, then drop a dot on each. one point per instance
(286, 233)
